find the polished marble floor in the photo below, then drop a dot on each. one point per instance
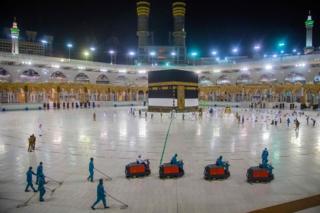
(71, 137)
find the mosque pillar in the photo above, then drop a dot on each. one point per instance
(304, 97)
(25, 94)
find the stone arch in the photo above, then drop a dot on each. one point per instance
(82, 78)
(244, 79)
(294, 77)
(58, 76)
(267, 78)
(102, 79)
(4, 75)
(30, 75)
(121, 79)
(223, 79)
(316, 79)
(205, 81)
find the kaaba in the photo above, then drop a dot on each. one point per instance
(172, 90)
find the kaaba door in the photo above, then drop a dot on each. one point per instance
(181, 95)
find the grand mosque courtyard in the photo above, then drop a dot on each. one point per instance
(116, 138)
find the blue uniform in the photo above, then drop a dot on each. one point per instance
(91, 171)
(174, 161)
(264, 157)
(101, 196)
(41, 188)
(39, 173)
(265, 164)
(220, 162)
(29, 180)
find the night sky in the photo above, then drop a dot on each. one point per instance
(210, 24)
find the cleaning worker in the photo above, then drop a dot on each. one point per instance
(41, 187)
(174, 161)
(39, 172)
(101, 195)
(91, 170)
(220, 162)
(29, 180)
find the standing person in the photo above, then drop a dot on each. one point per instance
(101, 196)
(242, 120)
(94, 116)
(39, 172)
(313, 122)
(91, 170)
(33, 139)
(29, 180)
(41, 188)
(30, 146)
(307, 120)
(288, 121)
(297, 124)
(40, 130)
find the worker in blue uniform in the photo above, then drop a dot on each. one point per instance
(264, 156)
(41, 187)
(265, 164)
(175, 161)
(91, 170)
(220, 162)
(29, 180)
(101, 195)
(39, 172)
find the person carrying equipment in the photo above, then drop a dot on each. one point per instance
(101, 195)
(29, 180)
(41, 187)
(174, 161)
(91, 170)
(220, 162)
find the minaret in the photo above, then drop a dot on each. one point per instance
(309, 30)
(143, 12)
(179, 34)
(15, 37)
